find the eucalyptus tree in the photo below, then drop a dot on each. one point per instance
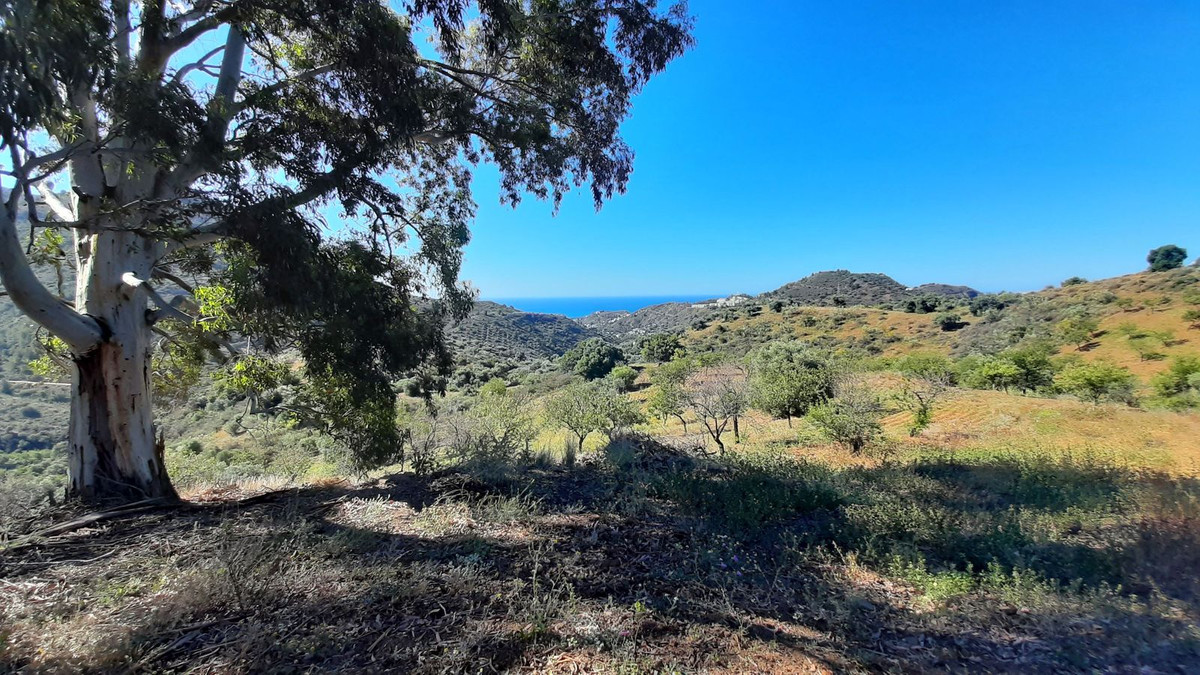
(187, 154)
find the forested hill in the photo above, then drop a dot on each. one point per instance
(502, 331)
(841, 287)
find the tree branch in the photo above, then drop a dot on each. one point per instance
(80, 332)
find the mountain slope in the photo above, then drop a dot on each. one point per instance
(499, 330)
(842, 287)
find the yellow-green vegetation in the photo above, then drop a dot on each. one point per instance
(827, 488)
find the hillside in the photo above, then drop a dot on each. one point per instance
(668, 317)
(1140, 317)
(841, 287)
(501, 331)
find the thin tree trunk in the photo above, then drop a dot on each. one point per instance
(737, 434)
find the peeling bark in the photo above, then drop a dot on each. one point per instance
(113, 449)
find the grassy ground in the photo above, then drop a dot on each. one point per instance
(640, 558)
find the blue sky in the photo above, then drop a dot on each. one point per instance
(1003, 145)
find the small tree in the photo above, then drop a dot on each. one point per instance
(592, 359)
(1177, 379)
(1073, 281)
(617, 410)
(851, 418)
(1076, 330)
(1166, 258)
(622, 378)
(989, 372)
(948, 321)
(667, 398)
(1096, 381)
(661, 347)
(717, 396)
(577, 408)
(788, 378)
(927, 376)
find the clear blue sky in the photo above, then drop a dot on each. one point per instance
(1003, 145)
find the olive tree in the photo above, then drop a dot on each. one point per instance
(187, 155)
(578, 409)
(788, 378)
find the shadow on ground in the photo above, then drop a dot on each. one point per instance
(645, 559)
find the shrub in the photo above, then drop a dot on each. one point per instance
(1076, 330)
(1179, 377)
(851, 419)
(989, 372)
(661, 347)
(592, 359)
(1073, 281)
(982, 304)
(948, 321)
(29, 412)
(1097, 381)
(622, 378)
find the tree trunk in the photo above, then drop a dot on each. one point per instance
(737, 434)
(113, 450)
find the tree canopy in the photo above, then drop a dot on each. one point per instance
(204, 144)
(592, 359)
(1166, 258)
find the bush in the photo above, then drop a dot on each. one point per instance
(661, 347)
(592, 359)
(1076, 330)
(1097, 381)
(29, 412)
(1182, 375)
(1073, 281)
(948, 321)
(622, 378)
(851, 419)
(982, 304)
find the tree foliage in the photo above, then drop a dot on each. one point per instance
(1166, 257)
(788, 378)
(203, 141)
(578, 409)
(661, 347)
(1097, 381)
(851, 418)
(592, 359)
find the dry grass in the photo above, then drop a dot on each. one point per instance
(451, 575)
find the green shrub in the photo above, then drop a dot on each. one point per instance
(1097, 381)
(948, 321)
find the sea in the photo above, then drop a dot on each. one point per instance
(577, 307)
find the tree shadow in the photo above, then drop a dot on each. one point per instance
(612, 567)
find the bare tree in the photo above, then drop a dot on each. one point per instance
(718, 396)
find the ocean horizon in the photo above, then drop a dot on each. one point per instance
(582, 306)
